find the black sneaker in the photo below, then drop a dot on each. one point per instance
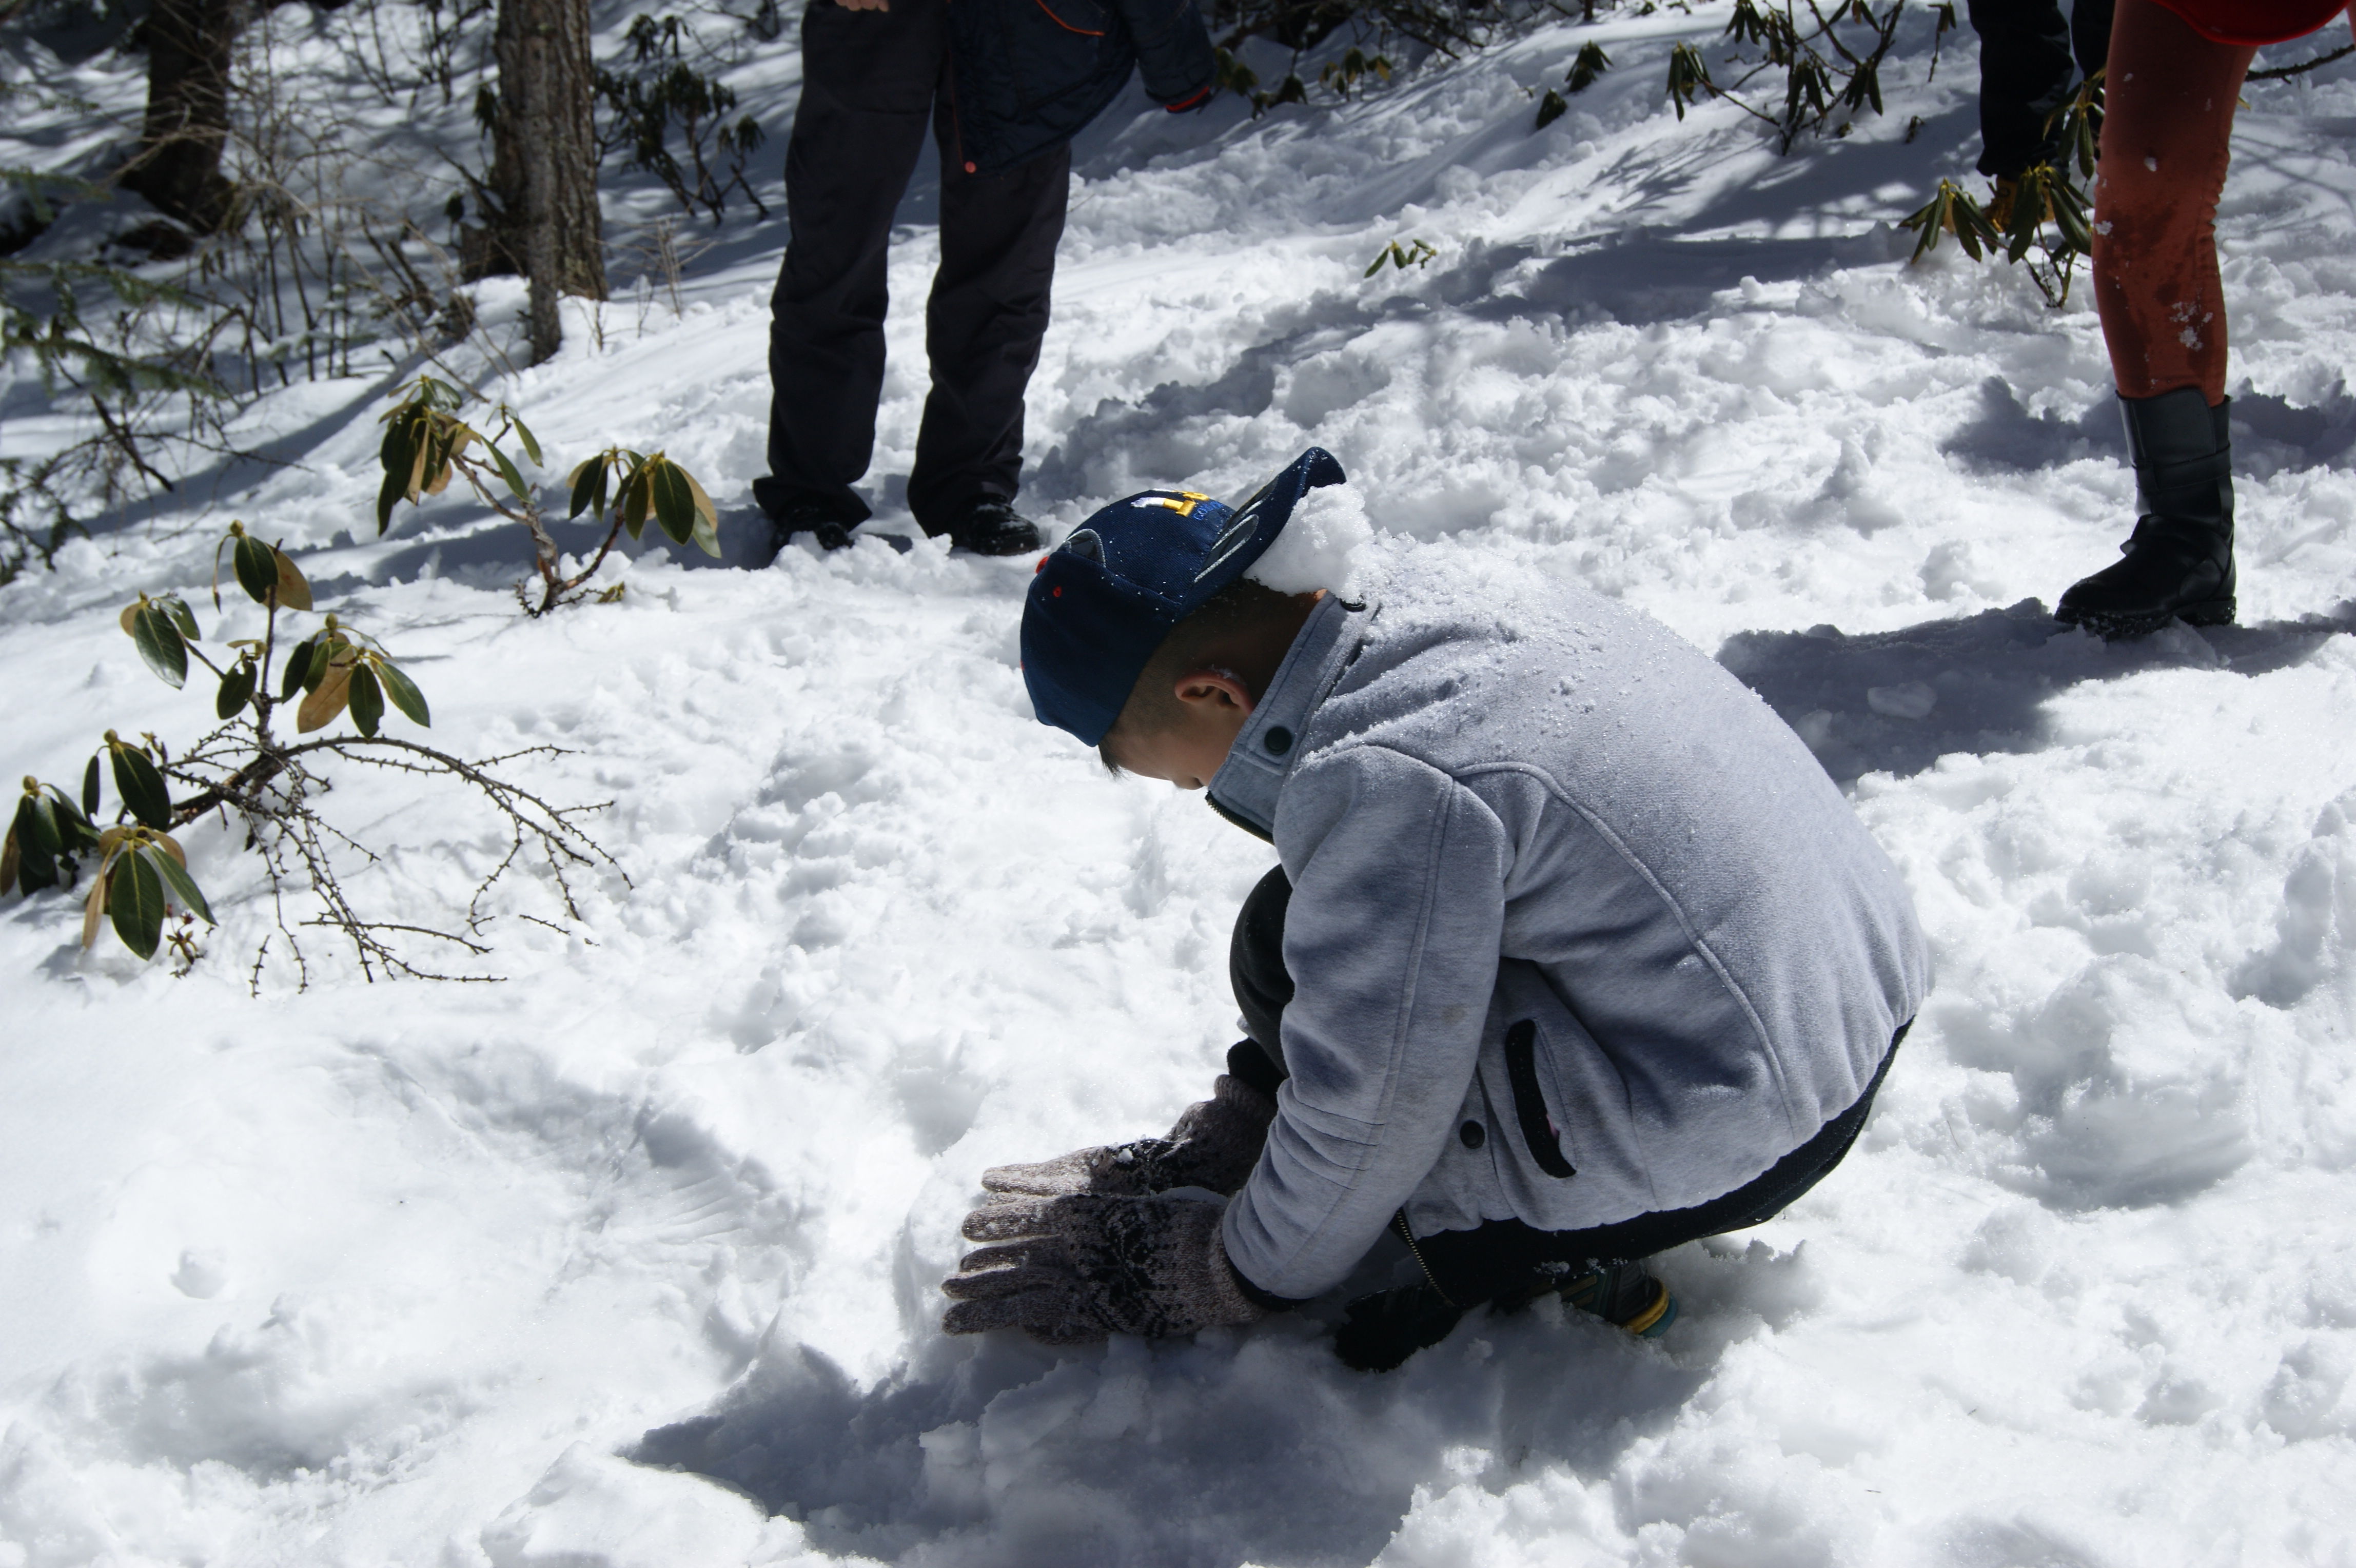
(789, 517)
(990, 526)
(831, 532)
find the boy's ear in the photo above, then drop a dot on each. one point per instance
(1215, 688)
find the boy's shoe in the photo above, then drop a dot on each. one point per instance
(990, 526)
(2179, 560)
(1379, 1331)
(1624, 1295)
(1620, 1293)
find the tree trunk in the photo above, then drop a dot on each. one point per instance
(544, 157)
(177, 166)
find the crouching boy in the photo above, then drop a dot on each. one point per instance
(1574, 954)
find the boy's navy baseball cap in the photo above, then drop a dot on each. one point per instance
(1104, 598)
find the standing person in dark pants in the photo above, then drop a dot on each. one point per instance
(1003, 85)
(2030, 62)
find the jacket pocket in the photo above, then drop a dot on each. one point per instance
(1059, 52)
(1529, 1101)
(1078, 17)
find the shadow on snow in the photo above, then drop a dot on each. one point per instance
(2271, 435)
(1245, 1445)
(1896, 702)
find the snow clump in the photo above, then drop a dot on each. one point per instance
(1320, 545)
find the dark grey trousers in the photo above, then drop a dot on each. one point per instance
(872, 83)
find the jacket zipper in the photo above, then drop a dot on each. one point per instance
(957, 125)
(1399, 1223)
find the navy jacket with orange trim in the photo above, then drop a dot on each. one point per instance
(1030, 74)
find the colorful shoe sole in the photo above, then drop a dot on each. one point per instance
(1654, 1320)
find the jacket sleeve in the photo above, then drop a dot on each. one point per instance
(1173, 49)
(1391, 941)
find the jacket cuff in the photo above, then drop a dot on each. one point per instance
(1264, 1300)
(1249, 1063)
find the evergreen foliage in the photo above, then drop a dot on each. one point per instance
(2046, 209)
(655, 91)
(270, 785)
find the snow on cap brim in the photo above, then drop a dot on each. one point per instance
(1103, 600)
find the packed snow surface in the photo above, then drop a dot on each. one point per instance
(630, 1258)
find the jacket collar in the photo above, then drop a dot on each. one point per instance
(1245, 789)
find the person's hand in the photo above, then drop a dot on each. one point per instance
(1071, 1270)
(1214, 1145)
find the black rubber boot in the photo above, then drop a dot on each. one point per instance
(2179, 560)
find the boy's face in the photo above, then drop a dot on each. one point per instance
(1212, 705)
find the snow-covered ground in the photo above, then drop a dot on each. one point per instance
(630, 1258)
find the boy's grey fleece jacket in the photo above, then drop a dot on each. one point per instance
(1560, 877)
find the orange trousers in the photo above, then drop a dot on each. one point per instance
(2170, 95)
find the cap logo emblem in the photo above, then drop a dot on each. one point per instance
(1184, 503)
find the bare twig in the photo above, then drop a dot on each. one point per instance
(240, 768)
(2277, 73)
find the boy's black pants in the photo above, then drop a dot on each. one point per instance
(1503, 1255)
(872, 83)
(2027, 53)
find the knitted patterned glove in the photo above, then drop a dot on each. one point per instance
(1071, 1270)
(1214, 1146)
